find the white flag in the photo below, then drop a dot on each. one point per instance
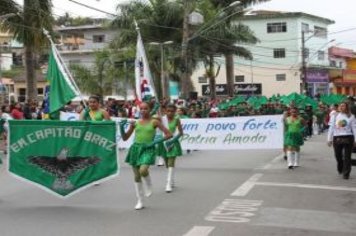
(143, 77)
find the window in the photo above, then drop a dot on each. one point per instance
(340, 64)
(40, 91)
(306, 53)
(276, 27)
(320, 32)
(281, 77)
(305, 27)
(333, 63)
(22, 95)
(239, 78)
(321, 55)
(202, 79)
(98, 38)
(279, 53)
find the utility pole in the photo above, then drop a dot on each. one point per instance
(185, 80)
(126, 80)
(251, 68)
(2, 97)
(164, 86)
(304, 87)
(163, 79)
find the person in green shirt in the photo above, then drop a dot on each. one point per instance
(174, 149)
(94, 112)
(293, 137)
(142, 152)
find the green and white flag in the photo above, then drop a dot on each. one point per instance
(62, 88)
(63, 157)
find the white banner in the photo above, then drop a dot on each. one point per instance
(233, 133)
(69, 116)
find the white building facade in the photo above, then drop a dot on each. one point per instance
(277, 58)
(79, 43)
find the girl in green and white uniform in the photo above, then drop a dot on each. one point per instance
(174, 149)
(293, 137)
(142, 152)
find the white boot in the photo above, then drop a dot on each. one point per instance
(147, 185)
(173, 183)
(139, 195)
(290, 159)
(169, 180)
(296, 159)
(160, 161)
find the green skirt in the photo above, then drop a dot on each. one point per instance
(139, 154)
(293, 139)
(160, 150)
(175, 151)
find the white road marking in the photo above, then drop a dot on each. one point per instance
(200, 231)
(245, 188)
(323, 221)
(271, 163)
(234, 211)
(311, 186)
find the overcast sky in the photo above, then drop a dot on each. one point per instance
(341, 11)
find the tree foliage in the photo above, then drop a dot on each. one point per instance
(27, 26)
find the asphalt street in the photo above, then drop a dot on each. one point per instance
(218, 193)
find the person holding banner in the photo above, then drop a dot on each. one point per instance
(174, 149)
(142, 152)
(94, 113)
(294, 137)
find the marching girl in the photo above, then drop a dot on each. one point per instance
(94, 113)
(341, 135)
(174, 148)
(142, 152)
(159, 146)
(293, 138)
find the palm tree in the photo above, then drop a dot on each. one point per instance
(98, 80)
(27, 27)
(159, 21)
(219, 41)
(244, 33)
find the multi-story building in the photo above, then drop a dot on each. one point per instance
(277, 57)
(11, 53)
(343, 70)
(79, 43)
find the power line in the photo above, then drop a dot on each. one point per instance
(92, 8)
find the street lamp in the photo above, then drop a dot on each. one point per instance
(219, 14)
(185, 80)
(163, 81)
(310, 59)
(304, 86)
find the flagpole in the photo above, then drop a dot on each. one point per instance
(151, 79)
(65, 67)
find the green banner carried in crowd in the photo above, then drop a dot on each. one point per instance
(62, 156)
